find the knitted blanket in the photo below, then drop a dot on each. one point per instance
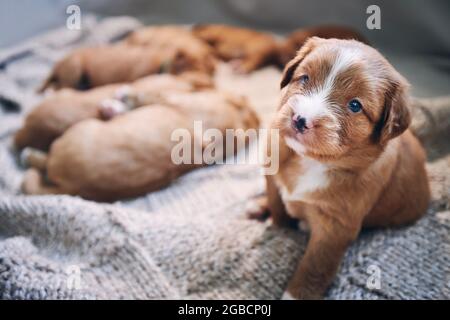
(190, 240)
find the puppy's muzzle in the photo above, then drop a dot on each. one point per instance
(300, 123)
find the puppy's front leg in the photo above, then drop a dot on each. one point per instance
(316, 270)
(276, 205)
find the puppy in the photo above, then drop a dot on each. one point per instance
(247, 49)
(131, 154)
(56, 113)
(162, 37)
(347, 160)
(87, 68)
(297, 39)
(198, 55)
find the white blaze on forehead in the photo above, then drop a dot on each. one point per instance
(344, 59)
(315, 103)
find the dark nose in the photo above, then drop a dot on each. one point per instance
(299, 123)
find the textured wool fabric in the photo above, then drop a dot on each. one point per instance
(190, 240)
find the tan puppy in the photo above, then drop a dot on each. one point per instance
(97, 66)
(247, 49)
(56, 113)
(131, 154)
(297, 39)
(162, 36)
(347, 160)
(198, 55)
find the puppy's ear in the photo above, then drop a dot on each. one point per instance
(66, 73)
(84, 83)
(396, 116)
(289, 70)
(180, 63)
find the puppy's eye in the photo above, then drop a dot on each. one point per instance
(355, 106)
(303, 79)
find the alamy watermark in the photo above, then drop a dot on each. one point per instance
(374, 280)
(73, 21)
(73, 281)
(373, 22)
(211, 146)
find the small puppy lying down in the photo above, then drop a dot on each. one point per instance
(87, 68)
(131, 154)
(347, 159)
(56, 113)
(198, 53)
(171, 36)
(247, 49)
(294, 41)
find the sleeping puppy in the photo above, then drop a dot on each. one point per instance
(297, 39)
(87, 68)
(171, 36)
(197, 54)
(161, 36)
(247, 49)
(347, 160)
(56, 113)
(130, 155)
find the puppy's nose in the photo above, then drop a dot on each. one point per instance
(299, 123)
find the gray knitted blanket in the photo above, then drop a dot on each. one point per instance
(191, 240)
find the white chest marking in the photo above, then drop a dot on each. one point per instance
(313, 178)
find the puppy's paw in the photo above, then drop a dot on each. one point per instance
(126, 95)
(301, 293)
(287, 296)
(110, 108)
(23, 157)
(31, 182)
(257, 208)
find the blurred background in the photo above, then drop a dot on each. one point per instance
(414, 34)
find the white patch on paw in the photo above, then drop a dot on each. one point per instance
(114, 106)
(287, 296)
(128, 96)
(24, 155)
(123, 92)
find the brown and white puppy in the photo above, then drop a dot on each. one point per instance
(294, 41)
(56, 113)
(87, 68)
(247, 49)
(131, 154)
(347, 159)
